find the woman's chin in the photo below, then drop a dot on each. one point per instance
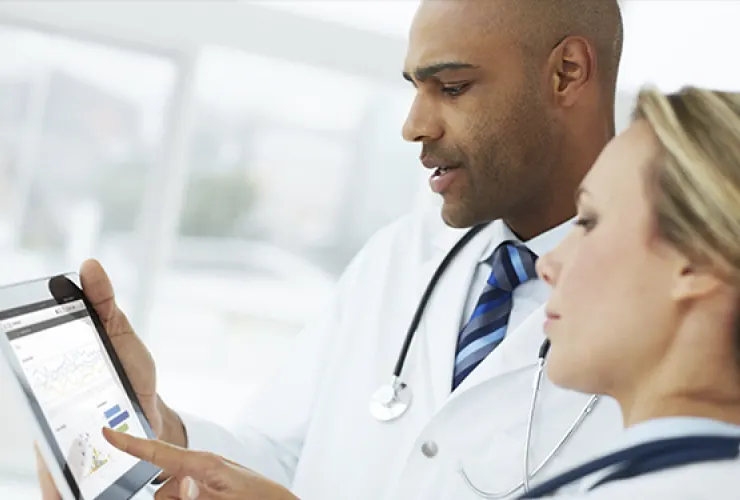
(565, 373)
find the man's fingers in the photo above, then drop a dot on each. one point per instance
(172, 460)
(98, 288)
(48, 488)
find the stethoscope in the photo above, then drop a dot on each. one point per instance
(390, 401)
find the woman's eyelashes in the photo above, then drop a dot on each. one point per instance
(586, 221)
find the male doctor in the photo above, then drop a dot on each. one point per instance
(514, 101)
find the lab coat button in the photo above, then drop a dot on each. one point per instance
(429, 449)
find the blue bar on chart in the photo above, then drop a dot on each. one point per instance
(113, 411)
(116, 421)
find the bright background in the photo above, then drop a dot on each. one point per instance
(226, 159)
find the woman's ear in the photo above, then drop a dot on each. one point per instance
(694, 281)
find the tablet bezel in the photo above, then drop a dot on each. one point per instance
(61, 289)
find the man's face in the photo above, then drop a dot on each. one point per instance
(479, 110)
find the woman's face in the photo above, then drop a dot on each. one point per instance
(611, 314)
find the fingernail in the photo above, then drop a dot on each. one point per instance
(191, 488)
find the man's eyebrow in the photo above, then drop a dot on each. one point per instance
(425, 72)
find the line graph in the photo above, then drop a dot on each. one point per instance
(56, 378)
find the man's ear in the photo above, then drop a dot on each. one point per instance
(573, 64)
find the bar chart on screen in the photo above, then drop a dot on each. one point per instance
(117, 418)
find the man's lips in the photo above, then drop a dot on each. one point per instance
(436, 163)
(444, 172)
(442, 179)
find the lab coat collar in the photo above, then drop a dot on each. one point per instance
(518, 351)
(663, 428)
(441, 320)
(667, 428)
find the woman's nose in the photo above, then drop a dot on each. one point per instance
(546, 269)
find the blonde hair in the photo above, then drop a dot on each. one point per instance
(695, 182)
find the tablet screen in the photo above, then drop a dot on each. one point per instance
(77, 388)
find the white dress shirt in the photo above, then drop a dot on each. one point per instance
(527, 296)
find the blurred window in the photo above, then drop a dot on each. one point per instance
(81, 127)
(291, 168)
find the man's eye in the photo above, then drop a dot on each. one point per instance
(454, 90)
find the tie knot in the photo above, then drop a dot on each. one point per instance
(513, 264)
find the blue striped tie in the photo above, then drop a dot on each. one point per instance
(513, 264)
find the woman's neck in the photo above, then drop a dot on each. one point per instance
(675, 390)
(650, 407)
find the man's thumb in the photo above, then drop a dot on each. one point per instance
(98, 288)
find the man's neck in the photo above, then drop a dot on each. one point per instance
(535, 223)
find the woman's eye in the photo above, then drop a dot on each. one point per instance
(586, 223)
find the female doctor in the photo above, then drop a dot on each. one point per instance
(645, 305)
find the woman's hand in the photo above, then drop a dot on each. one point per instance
(197, 475)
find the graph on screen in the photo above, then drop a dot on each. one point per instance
(67, 374)
(86, 458)
(98, 461)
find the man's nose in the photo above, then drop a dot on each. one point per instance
(422, 123)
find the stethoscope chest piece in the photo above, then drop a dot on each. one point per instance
(390, 401)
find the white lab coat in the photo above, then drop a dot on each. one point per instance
(704, 481)
(311, 428)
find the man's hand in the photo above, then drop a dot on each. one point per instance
(136, 359)
(196, 475)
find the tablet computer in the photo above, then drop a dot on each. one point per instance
(75, 385)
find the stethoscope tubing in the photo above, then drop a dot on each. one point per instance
(419, 313)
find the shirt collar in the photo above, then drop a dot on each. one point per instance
(540, 244)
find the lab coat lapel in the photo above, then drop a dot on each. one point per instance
(443, 316)
(518, 350)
